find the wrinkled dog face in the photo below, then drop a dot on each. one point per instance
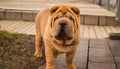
(64, 22)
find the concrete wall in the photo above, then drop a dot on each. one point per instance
(43, 0)
(105, 2)
(118, 12)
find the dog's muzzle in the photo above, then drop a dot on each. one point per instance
(62, 34)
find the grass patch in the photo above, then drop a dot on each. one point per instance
(16, 51)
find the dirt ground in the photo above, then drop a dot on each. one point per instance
(17, 51)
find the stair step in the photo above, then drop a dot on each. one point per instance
(114, 36)
(91, 14)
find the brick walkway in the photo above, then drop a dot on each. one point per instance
(94, 54)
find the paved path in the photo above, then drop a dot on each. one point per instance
(94, 54)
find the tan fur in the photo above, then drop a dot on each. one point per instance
(45, 33)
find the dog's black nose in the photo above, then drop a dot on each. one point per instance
(63, 24)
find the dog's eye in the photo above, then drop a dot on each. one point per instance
(56, 18)
(71, 18)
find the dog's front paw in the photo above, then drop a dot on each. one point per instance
(49, 67)
(38, 54)
(71, 66)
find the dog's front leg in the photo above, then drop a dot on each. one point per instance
(69, 59)
(38, 39)
(50, 58)
(38, 44)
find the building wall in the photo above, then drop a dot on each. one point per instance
(104, 2)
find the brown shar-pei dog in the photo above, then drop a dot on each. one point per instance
(59, 28)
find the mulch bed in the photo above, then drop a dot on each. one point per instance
(17, 51)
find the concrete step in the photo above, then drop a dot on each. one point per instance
(91, 14)
(42, 0)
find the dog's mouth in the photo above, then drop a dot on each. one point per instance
(64, 44)
(62, 35)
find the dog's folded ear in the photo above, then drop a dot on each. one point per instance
(75, 10)
(54, 9)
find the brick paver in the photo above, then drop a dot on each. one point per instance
(80, 59)
(101, 66)
(115, 48)
(100, 55)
